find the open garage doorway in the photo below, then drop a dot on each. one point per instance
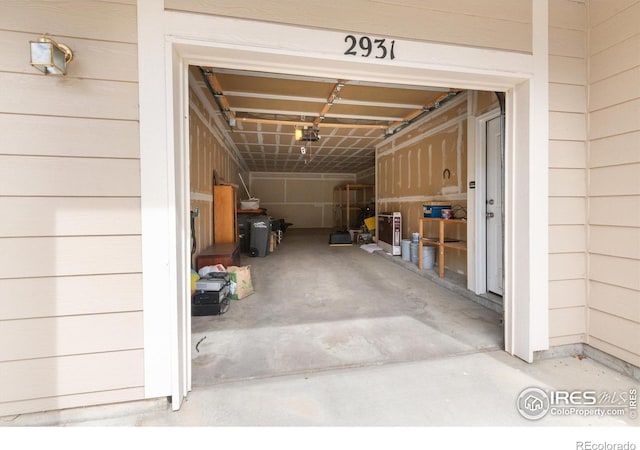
(320, 307)
(208, 40)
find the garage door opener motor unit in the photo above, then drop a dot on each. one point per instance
(212, 295)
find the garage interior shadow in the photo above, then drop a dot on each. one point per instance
(318, 307)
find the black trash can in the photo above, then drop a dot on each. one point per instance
(244, 231)
(259, 236)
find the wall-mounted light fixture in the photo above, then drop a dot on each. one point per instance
(49, 57)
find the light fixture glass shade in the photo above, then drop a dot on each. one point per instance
(48, 57)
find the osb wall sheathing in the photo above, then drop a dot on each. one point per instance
(428, 162)
(207, 153)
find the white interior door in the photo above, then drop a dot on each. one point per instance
(494, 208)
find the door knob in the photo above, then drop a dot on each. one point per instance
(490, 201)
(489, 215)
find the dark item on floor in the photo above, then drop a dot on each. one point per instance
(340, 239)
(210, 303)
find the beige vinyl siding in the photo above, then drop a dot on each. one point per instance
(70, 272)
(614, 174)
(567, 172)
(478, 23)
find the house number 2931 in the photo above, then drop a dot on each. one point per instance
(369, 48)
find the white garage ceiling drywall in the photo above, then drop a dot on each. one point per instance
(341, 120)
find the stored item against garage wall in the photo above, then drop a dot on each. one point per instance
(428, 257)
(390, 232)
(251, 202)
(212, 295)
(406, 249)
(434, 209)
(259, 237)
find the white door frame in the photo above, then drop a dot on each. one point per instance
(173, 40)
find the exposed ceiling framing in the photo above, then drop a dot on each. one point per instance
(263, 110)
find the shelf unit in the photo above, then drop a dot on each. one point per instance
(225, 215)
(442, 243)
(344, 204)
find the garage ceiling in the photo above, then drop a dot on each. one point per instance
(262, 111)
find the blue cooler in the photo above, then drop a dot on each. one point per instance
(434, 210)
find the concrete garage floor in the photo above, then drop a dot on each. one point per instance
(318, 307)
(336, 336)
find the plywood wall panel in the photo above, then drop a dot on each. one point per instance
(71, 335)
(478, 23)
(22, 298)
(69, 216)
(615, 150)
(203, 224)
(73, 97)
(67, 256)
(615, 241)
(616, 211)
(567, 321)
(68, 375)
(66, 136)
(74, 177)
(87, 19)
(615, 180)
(615, 300)
(622, 272)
